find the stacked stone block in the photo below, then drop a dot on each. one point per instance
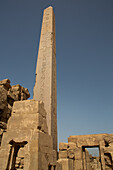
(9, 94)
(27, 144)
(66, 155)
(74, 155)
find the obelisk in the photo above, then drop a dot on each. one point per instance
(45, 83)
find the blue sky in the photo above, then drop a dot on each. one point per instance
(84, 41)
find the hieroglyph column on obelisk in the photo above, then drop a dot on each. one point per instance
(45, 83)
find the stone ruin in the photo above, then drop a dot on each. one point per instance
(9, 94)
(28, 128)
(75, 155)
(30, 140)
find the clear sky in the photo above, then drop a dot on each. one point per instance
(84, 41)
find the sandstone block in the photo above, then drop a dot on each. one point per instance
(58, 166)
(23, 96)
(78, 165)
(78, 153)
(63, 146)
(45, 139)
(8, 95)
(16, 87)
(70, 154)
(108, 139)
(67, 164)
(26, 107)
(3, 97)
(25, 91)
(5, 83)
(11, 95)
(41, 109)
(71, 145)
(62, 154)
(44, 126)
(45, 149)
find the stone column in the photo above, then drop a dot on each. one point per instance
(84, 158)
(45, 84)
(101, 150)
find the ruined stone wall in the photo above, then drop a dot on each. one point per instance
(27, 144)
(75, 154)
(9, 94)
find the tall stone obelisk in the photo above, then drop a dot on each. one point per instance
(45, 84)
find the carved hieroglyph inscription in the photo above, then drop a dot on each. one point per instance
(45, 84)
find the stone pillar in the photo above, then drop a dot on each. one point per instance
(84, 158)
(102, 155)
(45, 84)
(67, 164)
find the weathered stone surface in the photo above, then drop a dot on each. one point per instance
(8, 95)
(76, 150)
(3, 98)
(63, 154)
(86, 140)
(103, 141)
(63, 146)
(5, 83)
(44, 126)
(36, 146)
(70, 154)
(45, 84)
(58, 166)
(11, 95)
(67, 164)
(71, 145)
